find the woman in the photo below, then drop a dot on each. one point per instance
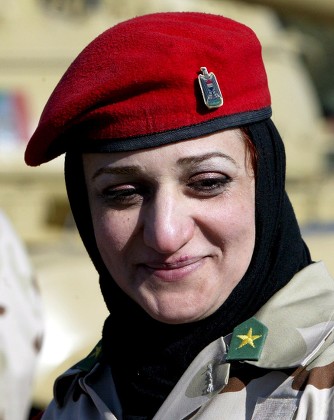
(176, 178)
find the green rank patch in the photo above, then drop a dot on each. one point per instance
(247, 341)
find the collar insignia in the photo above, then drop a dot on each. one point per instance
(210, 89)
(247, 341)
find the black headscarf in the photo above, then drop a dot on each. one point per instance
(148, 357)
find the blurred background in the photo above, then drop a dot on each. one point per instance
(38, 41)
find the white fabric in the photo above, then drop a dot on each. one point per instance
(21, 325)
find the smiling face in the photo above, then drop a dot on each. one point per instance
(175, 225)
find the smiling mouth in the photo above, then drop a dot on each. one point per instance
(173, 271)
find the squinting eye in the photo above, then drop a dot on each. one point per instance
(209, 184)
(122, 195)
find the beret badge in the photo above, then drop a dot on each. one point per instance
(210, 89)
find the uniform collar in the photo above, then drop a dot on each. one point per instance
(297, 329)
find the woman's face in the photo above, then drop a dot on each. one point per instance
(175, 225)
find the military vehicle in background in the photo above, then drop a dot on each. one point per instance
(39, 41)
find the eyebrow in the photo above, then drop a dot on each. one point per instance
(198, 159)
(118, 170)
(186, 161)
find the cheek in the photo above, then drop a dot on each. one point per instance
(238, 230)
(112, 233)
(239, 221)
(243, 215)
(244, 224)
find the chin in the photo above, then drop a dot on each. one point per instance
(174, 316)
(175, 308)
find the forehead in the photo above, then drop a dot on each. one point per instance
(229, 144)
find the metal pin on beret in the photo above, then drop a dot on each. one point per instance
(153, 80)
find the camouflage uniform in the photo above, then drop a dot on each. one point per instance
(292, 379)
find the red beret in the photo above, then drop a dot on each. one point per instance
(152, 80)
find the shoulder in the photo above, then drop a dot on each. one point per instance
(85, 391)
(67, 385)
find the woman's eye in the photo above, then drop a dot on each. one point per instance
(209, 184)
(123, 195)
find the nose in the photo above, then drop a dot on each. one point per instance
(168, 224)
